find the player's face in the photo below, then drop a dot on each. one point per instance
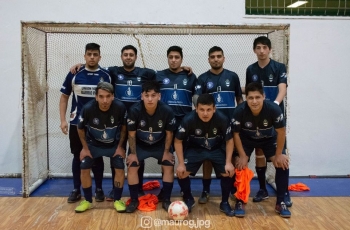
(150, 99)
(92, 57)
(104, 99)
(216, 60)
(262, 51)
(205, 112)
(255, 101)
(174, 61)
(128, 59)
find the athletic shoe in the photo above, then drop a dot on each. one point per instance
(190, 204)
(287, 200)
(110, 196)
(226, 208)
(119, 205)
(141, 193)
(260, 196)
(203, 199)
(239, 209)
(74, 196)
(132, 206)
(99, 195)
(160, 196)
(83, 206)
(282, 209)
(166, 204)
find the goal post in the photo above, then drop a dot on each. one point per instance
(49, 49)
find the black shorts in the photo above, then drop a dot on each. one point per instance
(116, 162)
(74, 140)
(155, 151)
(194, 158)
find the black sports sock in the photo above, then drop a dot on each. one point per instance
(233, 189)
(76, 171)
(226, 184)
(133, 191)
(167, 189)
(281, 183)
(118, 193)
(261, 172)
(140, 173)
(88, 194)
(97, 169)
(206, 185)
(185, 185)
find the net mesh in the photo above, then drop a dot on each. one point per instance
(49, 50)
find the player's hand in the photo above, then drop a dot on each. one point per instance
(281, 161)
(230, 169)
(74, 69)
(169, 157)
(64, 127)
(180, 171)
(85, 153)
(131, 158)
(241, 162)
(120, 151)
(188, 69)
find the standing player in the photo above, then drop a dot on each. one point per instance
(150, 133)
(225, 86)
(272, 76)
(259, 123)
(210, 138)
(102, 131)
(83, 85)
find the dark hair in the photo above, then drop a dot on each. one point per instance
(214, 49)
(262, 40)
(92, 46)
(104, 86)
(175, 49)
(254, 86)
(151, 85)
(206, 99)
(129, 47)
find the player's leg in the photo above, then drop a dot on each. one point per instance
(206, 181)
(85, 177)
(140, 173)
(97, 169)
(110, 196)
(75, 146)
(260, 167)
(168, 183)
(118, 166)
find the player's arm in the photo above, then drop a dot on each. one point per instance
(239, 100)
(132, 146)
(63, 109)
(282, 92)
(74, 69)
(188, 69)
(168, 140)
(242, 161)
(85, 152)
(121, 149)
(181, 168)
(281, 160)
(229, 150)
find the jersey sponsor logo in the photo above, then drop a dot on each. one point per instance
(219, 99)
(184, 81)
(138, 78)
(248, 124)
(96, 121)
(181, 129)
(166, 81)
(215, 131)
(198, 132)
(255, 77)
(265, 123)
(174, 95)
(279, 118)
(210, 85)
(86, 90)
(129, 92)
(120, 76)
(130, 122)
(142, 123)
(160, 123)
(112, 119)
(270, 77)
(227, 82)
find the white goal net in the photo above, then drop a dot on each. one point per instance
(50, 49)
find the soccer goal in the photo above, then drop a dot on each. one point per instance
(50, 49)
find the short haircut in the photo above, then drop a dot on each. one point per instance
(104, 86)
(262, 40)
(254, 86)
(92, 46)
(205, 99)
(175, 49)
(151, 85)
(129, 47)
(215, 49)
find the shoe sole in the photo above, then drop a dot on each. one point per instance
(82, 211)
(239, 215)
(256, 201)
(121, 211)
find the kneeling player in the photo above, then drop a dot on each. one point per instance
(150, 133)
(258, 123)
(102, 131)
(209, 138)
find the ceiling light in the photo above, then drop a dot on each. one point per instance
(297, 4)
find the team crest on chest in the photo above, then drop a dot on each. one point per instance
(215, 131)
(265, 123)
(255, 77)
(271, 78)
(96, 121)
(160, 123)
(185, 81)
(138, 78)
(142, 123)
(120, 76)
(227, 83)
(210, 85)
(198, 132)
(248, 124)
(112, 119)
(166, 81)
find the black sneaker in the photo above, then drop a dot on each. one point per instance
(99, 195)
(190, 204)
(141, 193)
(260, 196)
(74, 196)
(203, 199)
(239, 209)
(166, 204)
(282, 209)
(110, 196)
(160, 196)
(132, 206)
(287, 200)
(226, 208)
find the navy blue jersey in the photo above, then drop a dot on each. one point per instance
(149, 129)
(270, 76)
(261, 127)
(177, 90)
(208, 135)
(128, 85)
(102, 127)
(83, 85)
(225, 87)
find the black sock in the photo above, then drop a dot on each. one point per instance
(167, 189)
(261, 171)
(97, 169)
(226, 184)
(140, 172)
(76, 171)
(233, 189)
(113, 176)
(206, 185)
(281, 183)
(88, 194)
(185, 185)
(133, 191)
(117, 193)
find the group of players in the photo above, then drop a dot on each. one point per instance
(152, 111)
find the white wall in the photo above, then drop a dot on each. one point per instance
(317, 93)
